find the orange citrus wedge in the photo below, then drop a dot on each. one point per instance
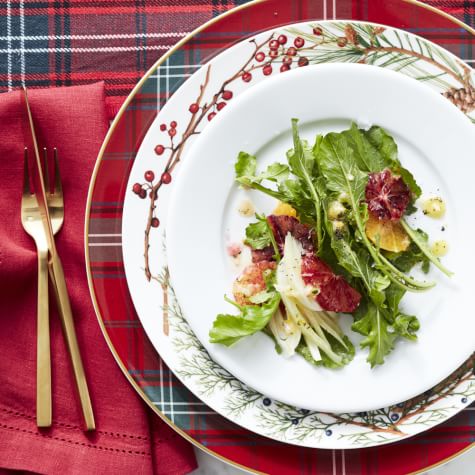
(283, 209)
(389, 235)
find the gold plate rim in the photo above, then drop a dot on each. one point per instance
(92, 183)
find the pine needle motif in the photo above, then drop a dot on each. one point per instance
(287, 423)
(280, 52)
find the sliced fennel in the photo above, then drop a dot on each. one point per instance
(286, 332)
(289, 280)
(304, 317)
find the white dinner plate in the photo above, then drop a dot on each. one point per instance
(436, 142)
(146, 255)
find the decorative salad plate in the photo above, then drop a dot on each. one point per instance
(156, 171)
(123, 230)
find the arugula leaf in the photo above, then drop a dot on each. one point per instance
(329, 256)
(406, 326)
(379, 339)
(301, 193)
(300, 158)
(376, 150)
(367, 156)
(257, 235)
(357, 263)
(275, 172)
(394, 295)
(403, 324)
(338, 166)
(407, 259)
(302, 163)
(386, 145)
(419, 238)
(245, 168)
(316, 146)
(228, 329)
(296, 196)
(408, 179)
(411, 208)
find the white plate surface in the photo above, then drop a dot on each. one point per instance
(433, 138)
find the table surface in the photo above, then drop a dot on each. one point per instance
(47, 72)
(209, 465)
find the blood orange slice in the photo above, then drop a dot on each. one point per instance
(335, 293)
(281, 225)
(387, 195)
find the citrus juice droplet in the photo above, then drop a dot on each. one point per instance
(434, 207)
(246, 208)
(440, 248)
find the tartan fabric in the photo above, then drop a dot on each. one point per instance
(464, 10)
(53, 43)
(158, 383)
(64, 42)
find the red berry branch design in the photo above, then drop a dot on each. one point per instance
(353, 43)
(262, 58)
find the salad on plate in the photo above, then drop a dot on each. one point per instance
(337, 242)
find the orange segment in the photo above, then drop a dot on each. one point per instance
(283, 209)
(389, 235)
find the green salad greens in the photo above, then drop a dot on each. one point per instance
(343, 245)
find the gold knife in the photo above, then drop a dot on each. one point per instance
(59, 282)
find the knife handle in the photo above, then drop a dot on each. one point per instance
(64, 307)
(43, 353)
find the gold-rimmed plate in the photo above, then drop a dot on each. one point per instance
(177, 414)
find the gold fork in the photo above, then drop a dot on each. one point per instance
(32, 224)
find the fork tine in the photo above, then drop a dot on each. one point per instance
(26, 173)
(46, 171)
(58, 188)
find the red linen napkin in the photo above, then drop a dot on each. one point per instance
(128, 439)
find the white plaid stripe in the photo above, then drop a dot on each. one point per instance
(162, 393)
(116, 36)
(99, 49)
(22, 34)
(171, 389)
(9, 45)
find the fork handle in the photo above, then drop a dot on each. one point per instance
(64, 307)
(43, 354)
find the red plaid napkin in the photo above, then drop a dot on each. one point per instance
(128, 438)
